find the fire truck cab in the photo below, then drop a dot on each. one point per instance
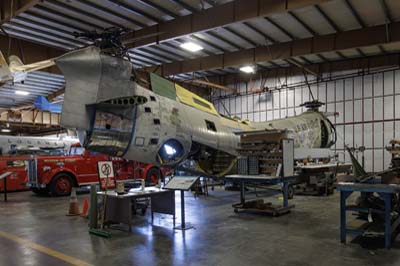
(58, 174)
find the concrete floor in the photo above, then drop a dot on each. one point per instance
(309, 235)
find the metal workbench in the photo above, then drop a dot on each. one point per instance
(119, 206)
(262, 180)
(386, 192)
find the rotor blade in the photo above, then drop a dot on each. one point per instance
(210, 84)
(34, 66)
(139, 38)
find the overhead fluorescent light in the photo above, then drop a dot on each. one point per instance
(247, 69)
(191, 46)
(24, 93)
(6, 130)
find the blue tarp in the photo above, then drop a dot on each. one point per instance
(42, 104)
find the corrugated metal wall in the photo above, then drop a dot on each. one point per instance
(366, 103)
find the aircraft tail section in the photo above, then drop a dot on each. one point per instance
(5, 72)
(358, 170)
(93, 79)
(15, 62)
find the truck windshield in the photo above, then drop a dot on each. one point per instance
(76, 151)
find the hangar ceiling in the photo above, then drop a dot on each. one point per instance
(268, 33)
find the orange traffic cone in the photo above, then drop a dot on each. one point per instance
(73, 204)
(85, 208)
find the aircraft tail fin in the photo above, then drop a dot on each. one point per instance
(358, 170)
(92, 80)
(43, 104)
(5, 72)
(15, 62)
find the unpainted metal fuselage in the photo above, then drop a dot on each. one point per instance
(115, 115)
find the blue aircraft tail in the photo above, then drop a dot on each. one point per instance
(43, 104)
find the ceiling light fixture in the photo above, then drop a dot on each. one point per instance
(191, 46)
(24, 93)
(6, 130)
(247, 69)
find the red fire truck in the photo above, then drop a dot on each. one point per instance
(16, 165)
(58, 174)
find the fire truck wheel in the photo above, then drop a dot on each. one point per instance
(153, 175)
(61, 185)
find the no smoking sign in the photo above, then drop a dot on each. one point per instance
(106, 170)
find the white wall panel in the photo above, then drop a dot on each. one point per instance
(243, 110)
(388, 106)
(358, 140)
(348, 89)
(397, 105)
(290, 97)
(340, 137)
(263, 116)
(368, 160)
(388, 83)
(367, 86)
(397, 81)
(275, 99)
(378, 108)
(368, 110)
(290, 112)
(250, 116)
(378, 135)
(269, 115)
(340, 110)
(348, 112)
(297, 96)
(283, 113)
(387, 160)
(330, 91)
(348, 135)
(232, 105)
(358, 87)
(351, 97)
(276, 114)
(339, 90)
(378, 159)
(298, 110)
(314, 90)
(262, 102)
(283, 98)
(368, 135)
(250, 104)
(397, 129)
(388, 132)
(378, 84)
(322, 91)
(358, 111)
